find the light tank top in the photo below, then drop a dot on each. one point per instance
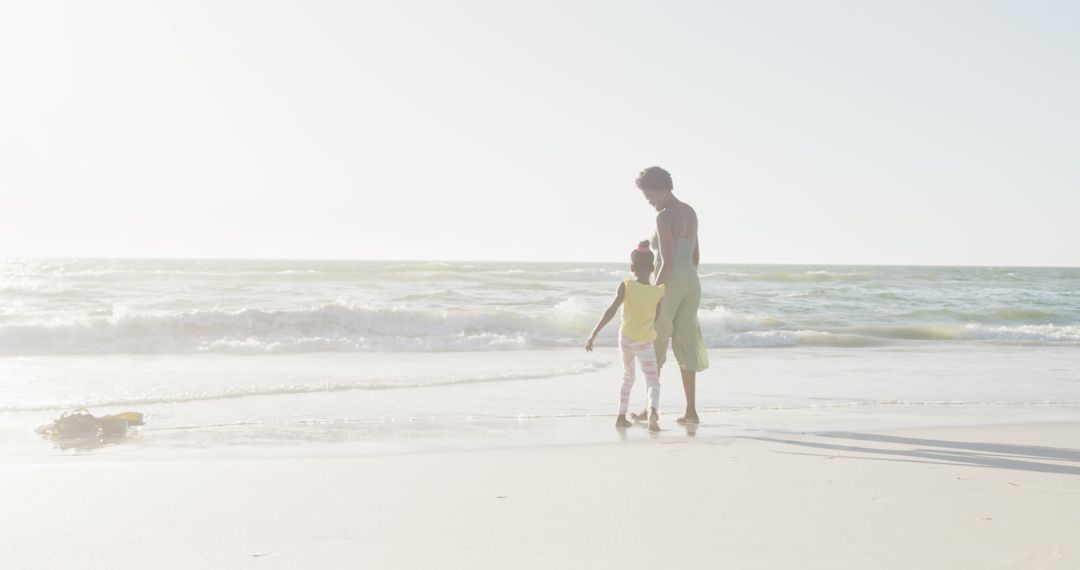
(639, 310)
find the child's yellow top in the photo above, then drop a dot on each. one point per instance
(639, 310)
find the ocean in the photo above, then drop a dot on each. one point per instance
(231, 357)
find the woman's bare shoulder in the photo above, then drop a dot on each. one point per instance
(667, 222)
(691, 219)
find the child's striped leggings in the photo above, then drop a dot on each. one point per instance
(646, 355)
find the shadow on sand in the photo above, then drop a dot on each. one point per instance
(942, 452)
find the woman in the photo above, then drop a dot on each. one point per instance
(679, 254)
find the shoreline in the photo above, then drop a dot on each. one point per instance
(551, 432)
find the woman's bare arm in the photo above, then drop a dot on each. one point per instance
(664, 222)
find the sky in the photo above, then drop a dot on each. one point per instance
(855, 132)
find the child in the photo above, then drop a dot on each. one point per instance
(640, 301)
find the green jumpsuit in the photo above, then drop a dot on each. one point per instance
(677, 323)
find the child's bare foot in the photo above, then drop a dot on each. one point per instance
(640, 416)
(622, 421)
(688, 419)
(654, 420)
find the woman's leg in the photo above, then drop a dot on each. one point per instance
(688, 344)
(689, 384)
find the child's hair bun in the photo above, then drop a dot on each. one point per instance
(643, 243)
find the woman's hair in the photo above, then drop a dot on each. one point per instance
(655, 179)
(642, 256)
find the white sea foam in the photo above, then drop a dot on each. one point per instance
(810, 276)
(721, 320)
(786, 338)
(1049, 334)
(576, 274)
(1024, 333)
(332, 326)
(180, 394)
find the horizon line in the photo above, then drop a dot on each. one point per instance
(428, 260)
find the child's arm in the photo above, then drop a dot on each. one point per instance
(608, 315)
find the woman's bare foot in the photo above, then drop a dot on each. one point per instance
(688, 419)
(622, 421)
(640, 416)
(654, 420)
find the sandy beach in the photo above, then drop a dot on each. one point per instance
(957, 497)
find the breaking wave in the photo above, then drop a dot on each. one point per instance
(341, 327)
